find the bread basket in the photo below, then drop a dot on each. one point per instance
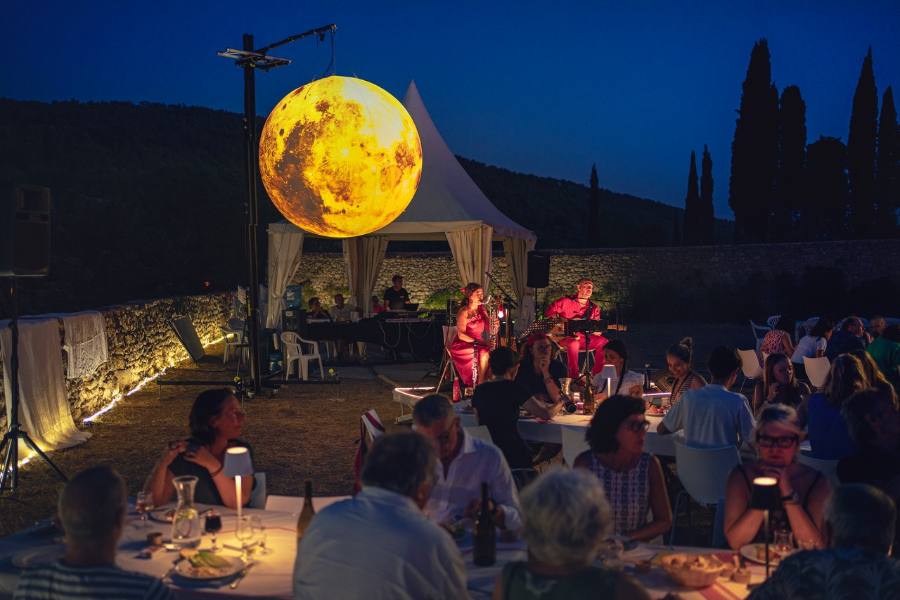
(693, 570)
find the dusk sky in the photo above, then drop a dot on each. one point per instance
(547, 88)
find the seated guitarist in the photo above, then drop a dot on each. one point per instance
(579, 306)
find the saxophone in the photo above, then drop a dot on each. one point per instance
(492, 304)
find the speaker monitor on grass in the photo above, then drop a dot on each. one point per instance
(538, 270)
(24, 231)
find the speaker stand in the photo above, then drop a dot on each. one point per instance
(10, 474)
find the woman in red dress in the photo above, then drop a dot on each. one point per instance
(470, 324)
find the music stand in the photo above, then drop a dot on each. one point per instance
(15, 433)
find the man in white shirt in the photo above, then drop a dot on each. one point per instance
(712, 416)
(378, 545)
(464, 462)
(342, 312)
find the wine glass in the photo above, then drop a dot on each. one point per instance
(144, 504)
(213, 526)
(784, 542)
(244, 532)
(260, 531)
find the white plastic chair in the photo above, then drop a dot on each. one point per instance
(293, 351)
(258, 495)
(573, 444)
(827, 467)
(772, 321)
(718, 532)
(704, 474)
(759, 332)
(481, 432)
(750, 366)
(817, 370)
(234, 342)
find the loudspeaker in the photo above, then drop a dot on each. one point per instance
(294, 319)
(538, 270)
(453, 306)
(24, 231)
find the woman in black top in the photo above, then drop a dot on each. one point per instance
(538, 372)
(497, 403)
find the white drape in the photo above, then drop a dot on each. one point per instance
(85, 342)
(363, 257)
(285, 251)
(516, 251)
(472, 253)
(44, 411)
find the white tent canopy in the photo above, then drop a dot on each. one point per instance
(447, 205)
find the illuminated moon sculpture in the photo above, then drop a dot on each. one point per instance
(340, 157)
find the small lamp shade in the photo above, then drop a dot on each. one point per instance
(237, 462)
(608, 372)
(764, 495)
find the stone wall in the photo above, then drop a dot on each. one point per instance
(141, 344)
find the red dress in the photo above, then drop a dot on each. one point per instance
(568, 307)
(463, 353)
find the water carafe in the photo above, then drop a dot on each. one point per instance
(186, 530)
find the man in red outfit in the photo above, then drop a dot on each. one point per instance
(579, 306)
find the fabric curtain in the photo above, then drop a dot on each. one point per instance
(516, 251)
(472, 253)
(363, 257)
(285, 251)
(44, 410)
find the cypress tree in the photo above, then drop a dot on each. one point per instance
(692, 207)
(790, 179)
(861, 144)
(707, 212)
(593, 224)
(887, 173)
(754, 151)
(826, 218)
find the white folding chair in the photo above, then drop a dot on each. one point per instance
(759, 332)
(294, 351)
(447, 368)
(817, 370)
(373, 424)
(258, 495)
(234, 342)
(481, 432)
(828, 468)
(573, 444)
(704, 473)
(750, 366)
(772, 321)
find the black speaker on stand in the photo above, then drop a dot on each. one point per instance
(24, 231)
(538, 270)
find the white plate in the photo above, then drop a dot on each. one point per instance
(38, 557)
(183, 569)
(163, 515)
(749, 552)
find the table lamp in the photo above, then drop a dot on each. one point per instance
(765, 497)
(238, 464)
(608, 373)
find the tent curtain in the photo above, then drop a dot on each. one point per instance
(285, 251)
(363, 257)
(516, 251)
(472, 253)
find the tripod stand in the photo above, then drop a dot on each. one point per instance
(10, 473)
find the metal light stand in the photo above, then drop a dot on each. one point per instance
(249, 60)
(510, 305)
(10, 474)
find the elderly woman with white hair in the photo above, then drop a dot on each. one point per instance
(565, 521)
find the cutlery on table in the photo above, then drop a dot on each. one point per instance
(241, 575)
(174, 566)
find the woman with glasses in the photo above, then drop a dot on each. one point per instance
(632, 479)
(803, 490)
(216, 422)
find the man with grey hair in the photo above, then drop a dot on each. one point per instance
(378, 544)
(859, 531)
(464, 462)
(850, 336)
(92, 510)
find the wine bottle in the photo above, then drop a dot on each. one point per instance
(484, 552)
(308, 511)
(589, 404)
(647, 377)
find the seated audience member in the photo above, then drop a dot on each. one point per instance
(812, 345)
(850, 336)
(316, 311)
(872, 373)
(873, 421)
(821, 412)
(778, 385)
(712, 416)
(538, 372)
(376, 305)
(92, 508)
(626, 383)
(464, 462)
(885, 351)
(497, 404)
(379, 544)
(565, 522)
(341, 311)
(859, 529)
(803, 490)
(876, 326)
(216, 422)
(680, 360)
(632, 478)
(779, 340)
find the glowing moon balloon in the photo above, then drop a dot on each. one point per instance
(340, 157)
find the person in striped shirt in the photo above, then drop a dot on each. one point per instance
(92, 510)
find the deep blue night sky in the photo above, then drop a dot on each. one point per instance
(537, 87)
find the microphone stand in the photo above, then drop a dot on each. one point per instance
(510, 304)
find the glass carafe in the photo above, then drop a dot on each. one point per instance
(186, 530)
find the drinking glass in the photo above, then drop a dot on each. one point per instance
(807, 544)
(784, 542)
(260, 532)
(144, 504)
(244, 532)
(213, 526)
